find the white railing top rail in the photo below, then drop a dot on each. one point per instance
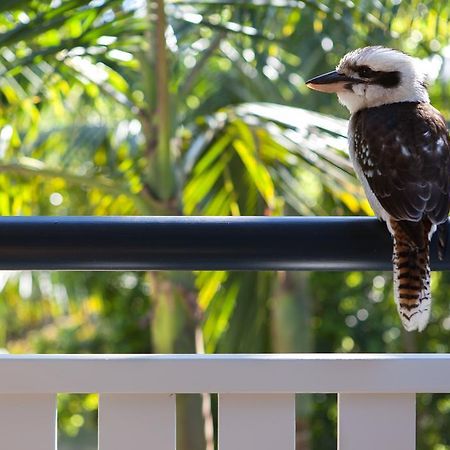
(253, 373)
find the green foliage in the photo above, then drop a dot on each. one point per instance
(104, 111)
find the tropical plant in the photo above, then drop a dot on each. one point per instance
(189, 107)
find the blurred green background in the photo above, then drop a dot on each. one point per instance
(199, 107)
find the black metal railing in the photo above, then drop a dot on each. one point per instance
(197, 243)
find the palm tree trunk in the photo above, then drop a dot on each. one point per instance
(158, 134)
(291, 309)
(173, 329)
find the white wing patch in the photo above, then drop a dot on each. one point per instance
(354, 140)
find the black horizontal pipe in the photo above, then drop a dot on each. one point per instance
(197, 243)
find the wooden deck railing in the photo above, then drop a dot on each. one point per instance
(376, 393)
(198, 243)
(376, 397)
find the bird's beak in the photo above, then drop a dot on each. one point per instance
(330, 82)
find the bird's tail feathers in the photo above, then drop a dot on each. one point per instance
(411, 262)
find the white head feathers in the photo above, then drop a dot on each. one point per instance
(382, 76)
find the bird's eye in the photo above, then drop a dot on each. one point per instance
(365, 72)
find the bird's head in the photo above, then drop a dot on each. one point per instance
(374, 76)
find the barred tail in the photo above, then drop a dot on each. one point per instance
(411, 261)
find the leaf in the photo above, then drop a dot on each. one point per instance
(219, 314)
(257, 172)
(209, 284)
(198, 188)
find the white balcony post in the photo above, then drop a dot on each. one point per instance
(28, 422)
(257, 421)
(376, 421)
(136, 422)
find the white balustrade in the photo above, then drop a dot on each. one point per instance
(256, 421)
(256, 396)
(28, 421)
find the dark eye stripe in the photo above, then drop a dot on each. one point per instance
(385, 79)
(388, 79)
(366, 72)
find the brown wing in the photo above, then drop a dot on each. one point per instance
(404, 152)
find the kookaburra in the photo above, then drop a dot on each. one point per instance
(399, 146)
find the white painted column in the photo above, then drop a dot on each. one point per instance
(136, 422)
(28, 421)
(257, 422)
(376, 421)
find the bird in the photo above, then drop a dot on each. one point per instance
(400, 150)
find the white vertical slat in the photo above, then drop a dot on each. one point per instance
(136, 422)
(257, 421)
(377, 421)
(28, 421)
